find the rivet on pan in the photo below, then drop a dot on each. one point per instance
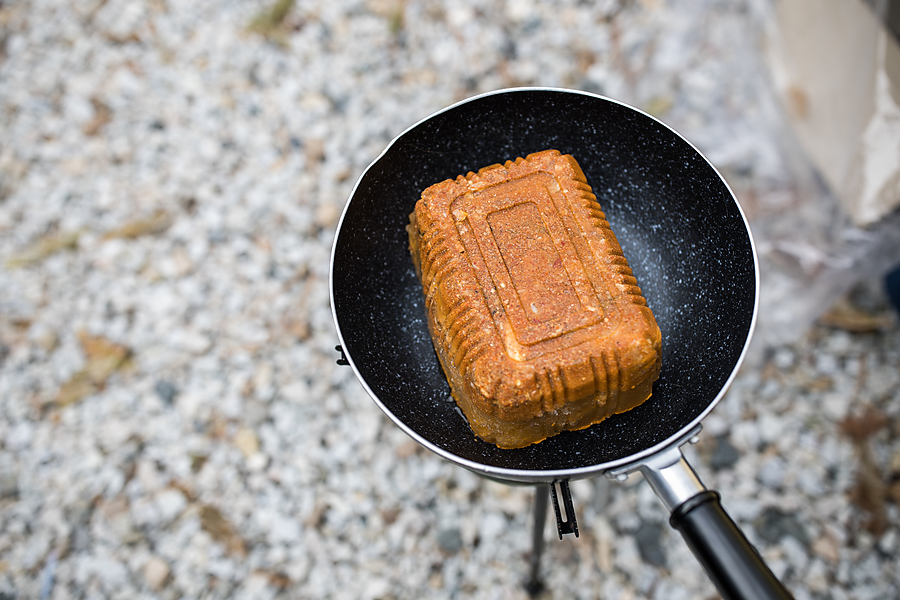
(621, 476)
(694, 440)
(343, 359)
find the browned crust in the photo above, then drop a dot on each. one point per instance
(534, 312)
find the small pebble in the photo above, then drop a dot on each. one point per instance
(156, 573)
(450, 540)
(247, 442)
(773, 524)
(724, 455)
(649, 540)
(166, 391)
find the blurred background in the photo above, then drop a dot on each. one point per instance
(172, 420)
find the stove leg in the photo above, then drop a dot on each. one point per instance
(534, 586)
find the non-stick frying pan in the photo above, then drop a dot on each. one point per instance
(687, 242)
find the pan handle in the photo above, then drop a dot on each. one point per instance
(730, 561)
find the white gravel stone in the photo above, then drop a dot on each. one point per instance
(156, 573)
(170, 503)
(229, 457)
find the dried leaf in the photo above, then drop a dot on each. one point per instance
(861, 427)
(659, 105)
(157, 223)
(80, 385)
(276, 579)
(843, 315)
(893, 492)
(45, 247)
(270, 22)
(215, 524)
(820, 384)
(317, 517)
(393, 11)
(184, 488)
(870, 493)
(197, 462)
(103, 357)
(102, 116)
(397, 21)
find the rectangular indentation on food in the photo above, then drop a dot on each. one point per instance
(525, 261)
(533, 263)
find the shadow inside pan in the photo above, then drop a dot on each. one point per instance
(677, 223)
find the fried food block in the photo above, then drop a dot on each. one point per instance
(535, 315)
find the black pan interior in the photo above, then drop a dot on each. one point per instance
(676, 220)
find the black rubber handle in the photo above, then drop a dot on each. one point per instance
(733, 565)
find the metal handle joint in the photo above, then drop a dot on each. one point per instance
(672, 478)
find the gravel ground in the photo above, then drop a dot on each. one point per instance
(173, 422)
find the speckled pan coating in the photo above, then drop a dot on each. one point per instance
(675, 218)
(536, 317)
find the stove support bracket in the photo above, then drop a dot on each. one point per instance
(565, 523)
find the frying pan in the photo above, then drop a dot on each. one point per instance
(686, 240)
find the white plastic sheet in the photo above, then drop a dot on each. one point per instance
(834, 72)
